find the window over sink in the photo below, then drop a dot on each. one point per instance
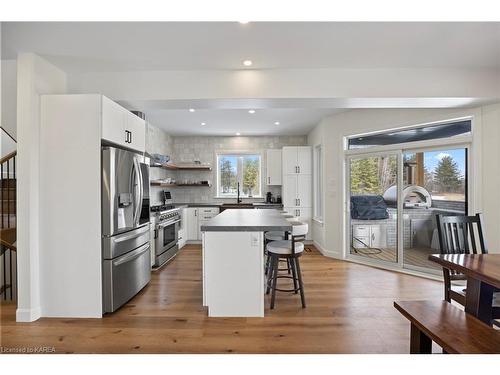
(242, 168)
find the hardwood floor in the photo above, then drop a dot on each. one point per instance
(349, 310)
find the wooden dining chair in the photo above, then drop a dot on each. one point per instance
(462, 235)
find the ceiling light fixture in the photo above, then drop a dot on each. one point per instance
(191, 110)
(247, 62)
(238, 133)
(243, 22)
(203, 123)
(251, 111)
(277, 123)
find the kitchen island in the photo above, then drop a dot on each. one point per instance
(233, 261)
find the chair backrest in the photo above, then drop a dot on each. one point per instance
(300, 229)
(461, 234)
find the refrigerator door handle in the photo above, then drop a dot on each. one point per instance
(138, 199)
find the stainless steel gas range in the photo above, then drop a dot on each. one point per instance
(166, 233)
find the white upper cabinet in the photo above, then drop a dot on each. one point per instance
(304, 159)
(297, 160)
(289, 160)
(273, 164)
(122, 127)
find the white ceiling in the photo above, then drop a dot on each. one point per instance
(293, 121)
(84, 47)
(120, 46)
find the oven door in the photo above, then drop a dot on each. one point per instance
(167, 236)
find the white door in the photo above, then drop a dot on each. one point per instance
(304, 190)
(290, 160)
(290, 191)
(304, 159)
(192, 224)
(274, 172)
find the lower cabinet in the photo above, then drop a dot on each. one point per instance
(196, 217)
(182, 229)
(369, 236)
(304, 215)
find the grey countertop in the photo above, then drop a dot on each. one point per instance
(247, 220)
(258, 204)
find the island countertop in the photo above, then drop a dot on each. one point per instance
(247, 220)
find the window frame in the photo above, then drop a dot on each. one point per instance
(239, 173)
(318, 178)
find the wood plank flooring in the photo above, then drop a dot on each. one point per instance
(349, 310)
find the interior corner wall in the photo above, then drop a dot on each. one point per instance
(333, 129)
(35, 77)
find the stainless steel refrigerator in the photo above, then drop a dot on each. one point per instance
(126, 264)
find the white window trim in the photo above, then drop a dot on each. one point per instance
(235, 153)
(318, 184)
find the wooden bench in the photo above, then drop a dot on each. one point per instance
(449, 327)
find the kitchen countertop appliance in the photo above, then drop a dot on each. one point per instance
(126, 264)
(166, 232)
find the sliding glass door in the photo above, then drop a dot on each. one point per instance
(435, 182)
(393, 200)
(373, 229)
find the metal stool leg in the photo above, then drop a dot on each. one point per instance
(301, 285)
(294, 274)
(275, 279)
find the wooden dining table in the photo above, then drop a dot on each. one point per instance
(483, 279)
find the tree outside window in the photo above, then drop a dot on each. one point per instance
(242, 168)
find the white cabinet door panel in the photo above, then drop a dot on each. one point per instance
(273, 164)
(113, 122)
(290, 191)
(304, 159)
(137, 128)
(289, 158)
(304, 190)
(192, 224)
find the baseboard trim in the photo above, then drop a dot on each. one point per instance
(325, 252)
(28, 315)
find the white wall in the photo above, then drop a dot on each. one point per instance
(9, 96)
(35, 77)
(486, 154)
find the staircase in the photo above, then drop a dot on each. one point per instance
(8, 248)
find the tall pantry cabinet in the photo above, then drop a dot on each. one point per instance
(297, 183)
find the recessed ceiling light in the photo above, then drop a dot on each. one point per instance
(247, 62)
(203, 123)
(191, 109)
(243, 22)
(238, 133)
(277, 123)
(252, 111)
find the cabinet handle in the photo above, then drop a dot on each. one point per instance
(269, 180)
(299, 202)
(298, 168)
(130, 137)
(298, 212)
(195, 212)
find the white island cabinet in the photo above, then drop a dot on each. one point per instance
(233, 261)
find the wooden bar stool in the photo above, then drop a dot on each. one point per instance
(289, 250)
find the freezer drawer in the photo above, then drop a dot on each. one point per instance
(125, 276)
(120, 244)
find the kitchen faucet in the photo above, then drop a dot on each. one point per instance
(238, 199)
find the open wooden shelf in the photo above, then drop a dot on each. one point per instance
(163, 184)
(175, 167)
